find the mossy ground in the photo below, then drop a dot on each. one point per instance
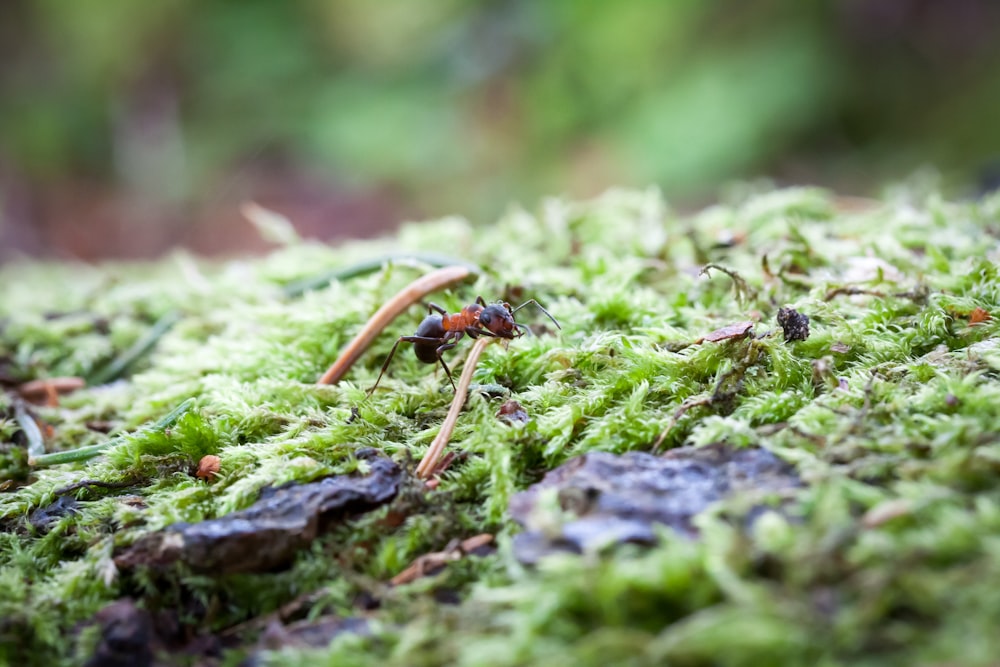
(889, 410)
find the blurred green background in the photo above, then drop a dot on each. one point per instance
(131, 126)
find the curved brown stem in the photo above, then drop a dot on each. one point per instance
(412, 293)
(429, 462)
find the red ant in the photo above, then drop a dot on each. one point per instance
(440, 332)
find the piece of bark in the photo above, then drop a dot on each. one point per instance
(268, 534)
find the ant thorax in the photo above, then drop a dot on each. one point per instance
(467, 317)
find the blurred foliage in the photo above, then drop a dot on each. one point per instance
(465, 105)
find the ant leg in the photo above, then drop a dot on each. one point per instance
(476, 332)
(441, 350)
(481, 301)
(401, 339)
(539, 306)
(385, 365)
(434, 308)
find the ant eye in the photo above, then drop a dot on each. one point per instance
(485, 317)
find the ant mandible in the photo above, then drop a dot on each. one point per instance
(440, 332)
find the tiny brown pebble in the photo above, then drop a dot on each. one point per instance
(794, 324)
(842, 348)
(208, 467)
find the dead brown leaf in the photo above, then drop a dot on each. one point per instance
(738, 330)
(48, 390)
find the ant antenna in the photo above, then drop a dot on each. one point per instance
(539, 306)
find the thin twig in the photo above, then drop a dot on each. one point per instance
(429, 462)
(744, 291)
(432, 563)
(90, 484)
(409, 295)
(917, 295)
(118, 366)
(718, 395)
(282, 613)
(852, 291)
(678, 413)
(84, 453)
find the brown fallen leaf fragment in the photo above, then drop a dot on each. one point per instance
(208, 467)
(738, 330)
(979, 315)
(434, 562)
(511, 412)
(267, 535)
(48, 390)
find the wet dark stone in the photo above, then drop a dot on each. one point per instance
(793, 324)
(620, 498)
(43, 517)
(126, 637)
(267, 535)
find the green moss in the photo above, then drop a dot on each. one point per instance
(891, 402)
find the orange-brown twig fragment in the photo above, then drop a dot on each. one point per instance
(429, 462)
(434, 562)
(48, 390)
(978, 315)
(409, 295)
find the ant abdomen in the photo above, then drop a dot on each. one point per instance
(431, 327)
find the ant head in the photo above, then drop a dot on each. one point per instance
(499, 320)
